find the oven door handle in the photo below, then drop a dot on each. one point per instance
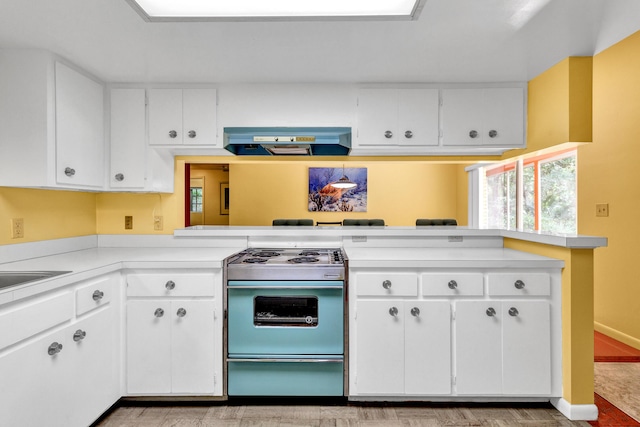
(285, 287)
(264, 360)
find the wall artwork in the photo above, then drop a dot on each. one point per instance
(325, 196)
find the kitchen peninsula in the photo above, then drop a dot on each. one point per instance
(477, 268)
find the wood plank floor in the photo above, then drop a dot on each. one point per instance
(349, 415)
(619, 383)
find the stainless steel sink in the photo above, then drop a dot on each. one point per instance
(13, 278)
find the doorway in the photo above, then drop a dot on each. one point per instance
(207, 195)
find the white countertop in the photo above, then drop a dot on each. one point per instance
(562, 240)
(87, 263)
(447, 258)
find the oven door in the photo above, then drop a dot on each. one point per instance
(272, 318)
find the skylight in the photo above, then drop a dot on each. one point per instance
(283, 10)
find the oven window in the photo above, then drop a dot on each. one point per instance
(300, 311)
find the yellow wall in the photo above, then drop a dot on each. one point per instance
(397, 192)
(47, 214)
(559, 106)
(212, 180)
(608, 172)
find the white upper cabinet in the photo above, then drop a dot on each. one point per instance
(53, 123)
(128, 139)
(182, 117)
(397, 117)
(79, 128)
(483, 117)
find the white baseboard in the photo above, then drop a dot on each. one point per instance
(588, 412)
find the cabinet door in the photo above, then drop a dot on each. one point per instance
(527, 347)
(418, 117)
(380, 347)
(148, 347)
(35, 385)
(478, 344)
(128, 145)
(462, 117)
(193, 351)
(79, 128)
(427, 347)
(199, 115)
(504, 115)
(95, 376)
(165, 117)
(377, 117)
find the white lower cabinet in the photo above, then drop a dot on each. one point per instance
(57, 380)
(170, 347)
(403, 347)
(503, 347)
(174, 338)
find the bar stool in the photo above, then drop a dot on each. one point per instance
(445, 221)
(294, 222)
(363, 222)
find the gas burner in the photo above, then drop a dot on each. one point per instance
(266, 254)
(309, 253)
(255, 260)
(303, 260)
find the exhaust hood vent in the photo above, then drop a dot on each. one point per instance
(279, 141)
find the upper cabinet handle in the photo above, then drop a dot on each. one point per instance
(192, 134)
(69, 171)
(388, 134)
(473, 134)
(173, 134)
(119, 177)
(408, 134)
(493, 133)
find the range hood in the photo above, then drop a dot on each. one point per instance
(288, 141)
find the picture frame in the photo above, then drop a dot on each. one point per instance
(224, 198)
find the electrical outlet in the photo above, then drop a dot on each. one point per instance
(128, 222)
(602, 209)
(17, 228)
(157, 223)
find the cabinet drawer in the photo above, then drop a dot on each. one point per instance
(93, 295)
(523, 284)
(171, 285)
(452, 284)
(383, 284)
(28, 320)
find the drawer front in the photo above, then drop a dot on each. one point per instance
(519, 284)
(171, 285)
(28, 320)
(452, 284)
(383, 284)
(93, 295)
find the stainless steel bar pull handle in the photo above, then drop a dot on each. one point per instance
(386, 284)
(393, 311)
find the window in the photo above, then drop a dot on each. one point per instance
(196, 199)
(537, 193)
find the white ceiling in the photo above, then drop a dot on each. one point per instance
(452, 41)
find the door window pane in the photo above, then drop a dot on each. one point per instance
(558, 196)
(501, 200)
(529, 198)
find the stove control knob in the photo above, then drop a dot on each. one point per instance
(181, 312)
(415, 312)
(393, 311)
(170, 285)
(386, 284)
(452, 284)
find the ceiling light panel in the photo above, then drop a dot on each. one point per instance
(246, 10)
